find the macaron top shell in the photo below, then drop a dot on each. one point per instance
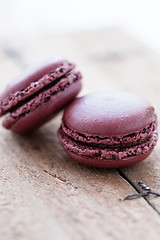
(108, 114)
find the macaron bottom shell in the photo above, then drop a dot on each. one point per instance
(95, 162)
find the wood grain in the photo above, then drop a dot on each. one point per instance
(43, 193)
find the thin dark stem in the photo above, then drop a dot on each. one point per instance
(136, 195)
(145, 188)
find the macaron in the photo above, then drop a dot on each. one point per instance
(109, 129)
(34, 97)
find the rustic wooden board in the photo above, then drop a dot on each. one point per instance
(43, 193)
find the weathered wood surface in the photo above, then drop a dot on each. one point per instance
(43, 193)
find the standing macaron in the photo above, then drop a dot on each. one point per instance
(109, 129)
(34, 97)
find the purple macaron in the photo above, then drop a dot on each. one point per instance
(34, 97)
(109, 129)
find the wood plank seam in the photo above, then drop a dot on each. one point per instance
(124, 176)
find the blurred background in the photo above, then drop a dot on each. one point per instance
(38, 17)
(93, 34)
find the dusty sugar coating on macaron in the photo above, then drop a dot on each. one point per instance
(39, 93)
(109, 129)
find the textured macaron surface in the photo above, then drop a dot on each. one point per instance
(37, 87)
(109, 126)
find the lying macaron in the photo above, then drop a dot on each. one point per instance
(34, 97)
(109, 129)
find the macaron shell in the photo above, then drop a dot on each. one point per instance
(45, 111)
(108, 114)
(121, 141)
(94, 162)
(33, 75)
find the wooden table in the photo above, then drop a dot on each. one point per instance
(44, 195)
